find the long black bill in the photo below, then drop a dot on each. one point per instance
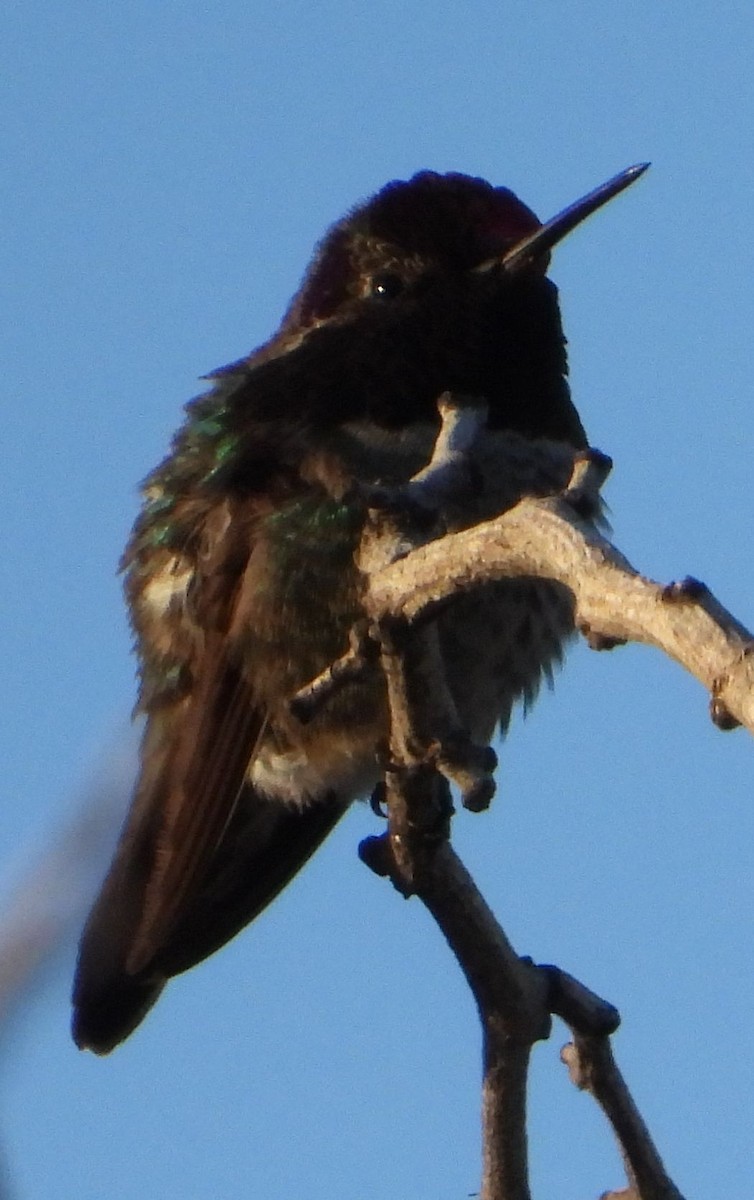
(544, 238)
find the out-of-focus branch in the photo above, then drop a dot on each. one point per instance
(50, 898)
(46, 905)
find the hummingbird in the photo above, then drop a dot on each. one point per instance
(241, 574)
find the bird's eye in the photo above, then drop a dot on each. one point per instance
(385, 286)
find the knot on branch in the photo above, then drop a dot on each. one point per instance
(684, 590)
(720, 714)
(597, 640)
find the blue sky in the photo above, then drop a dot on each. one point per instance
(166, 171)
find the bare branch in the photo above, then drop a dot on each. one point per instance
(544, 538)
(459, 525)
(552, 537)
(592, 1068)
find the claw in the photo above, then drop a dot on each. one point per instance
(378, 801)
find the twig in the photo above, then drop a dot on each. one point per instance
(592, 1068)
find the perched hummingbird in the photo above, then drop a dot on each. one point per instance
(242, 582)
